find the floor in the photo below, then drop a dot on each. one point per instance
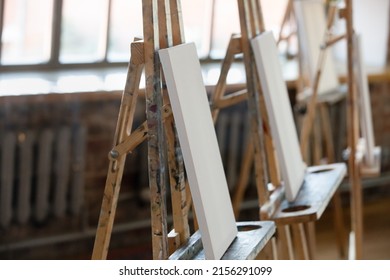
(376, 231)
(376, 224)
(376, 235)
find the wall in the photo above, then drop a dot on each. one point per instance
(97, 112)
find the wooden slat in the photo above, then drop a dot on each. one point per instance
(253, 103)
(229, 100)
(164, 20)
(156, 143)
(272, 161)
(116, 165)
(284, 242)
(340, 233)
(317, 142)
(254, 9)
(353, 138)
(300, 242)
(180, 207)
(177, 22)
(169, 10)
(310, 231)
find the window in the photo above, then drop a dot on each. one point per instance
(83, 33)
(26, 32)
(60, 33)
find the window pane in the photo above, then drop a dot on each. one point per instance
(126, 23)
(273, 12)
(197, 24)
(226, 22)
(26, 37)
(84, 28)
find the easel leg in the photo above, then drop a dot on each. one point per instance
(243, 179)
(336, 199)
(234, 48)
(339, 223)
(300, 242)
(284, 243)
(353, 138)
(117, 162)
(310, 229)
(317, 143)
(177, 183)
(357, 215)
(268, 252)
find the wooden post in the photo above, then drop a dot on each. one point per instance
(247, 32)
(353, 138)
(163, 27)
(171, 32)
(117, 159)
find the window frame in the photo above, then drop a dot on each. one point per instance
(54, 59)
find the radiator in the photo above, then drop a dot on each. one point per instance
(41, 174)
(232, 129)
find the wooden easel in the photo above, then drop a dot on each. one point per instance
(162, 28)
(287, 20)
(354, 155)
(313, 86)
(270, 196)
(143, 55)
(251, 22)
(321, 134)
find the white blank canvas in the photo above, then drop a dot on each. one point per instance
(199, 144)
(311, 21)
(280, 114)
(365, 102)
(371, 20)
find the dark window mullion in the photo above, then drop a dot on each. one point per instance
(56, 33)
(213, 7)
(1, 24)
(108, 24)
(388, 44)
